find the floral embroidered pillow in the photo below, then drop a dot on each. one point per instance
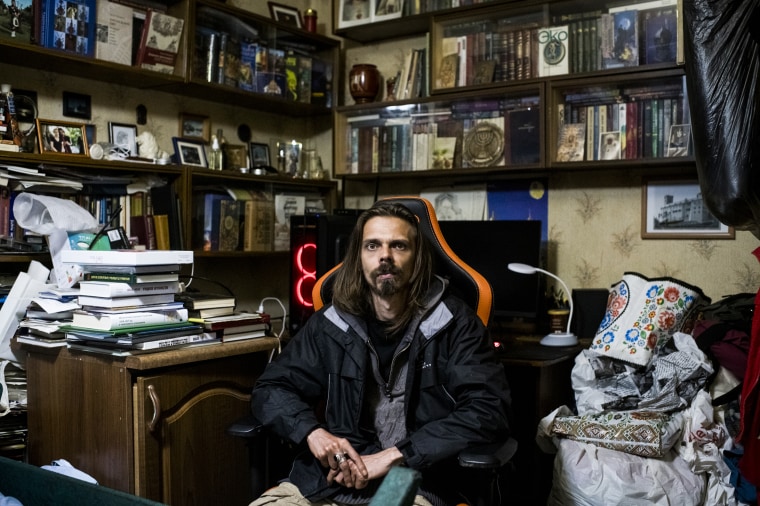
(642, 314)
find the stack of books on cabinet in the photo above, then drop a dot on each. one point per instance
(127, 303)
(236, 326)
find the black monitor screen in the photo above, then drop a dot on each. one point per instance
(487, 247)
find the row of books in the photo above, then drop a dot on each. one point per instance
(411, 80)
(643, 114)
(125, 32)
(234, 219)
(251, 64)
(134, 306)
(649, 128)
(238, 220)
(413, 7)
(486, 51)
(502, 133)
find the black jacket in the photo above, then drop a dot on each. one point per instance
(456, 393)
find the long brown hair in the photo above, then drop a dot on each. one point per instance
(351, 293)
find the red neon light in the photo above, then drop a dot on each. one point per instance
(304, 299)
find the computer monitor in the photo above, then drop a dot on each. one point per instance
(487, 247)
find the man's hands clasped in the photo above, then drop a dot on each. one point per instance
(346, 465)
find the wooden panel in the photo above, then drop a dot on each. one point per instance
(78, 405)
(187, 458)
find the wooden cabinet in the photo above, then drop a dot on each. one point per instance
(153, 424)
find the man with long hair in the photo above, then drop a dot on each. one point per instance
(405, 370)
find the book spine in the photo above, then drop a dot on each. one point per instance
(176, 341)
(108, 289)
(144, 38)
(120, 321)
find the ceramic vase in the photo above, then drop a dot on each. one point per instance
(364, 82)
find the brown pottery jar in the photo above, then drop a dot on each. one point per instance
(363, 82)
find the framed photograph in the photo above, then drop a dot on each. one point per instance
(123, 136)
(355, 12)
(609, 145)
(259, 154)
(194, 127)
(236, 156)
(189, 152)
(65, 137)
(679, 140)
(77, 105)
(285, 14)
(292, 152)
(388, 9)
(674, 209)
(91, 131)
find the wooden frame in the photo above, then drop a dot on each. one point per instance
(235, 157)
(285, 14)
(124, 136)
(189, 152)
(63, 137)
(259, 154)
(672, 208)
(355, 12)
(194, 127)
(387, 9)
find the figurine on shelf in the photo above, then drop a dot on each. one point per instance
(147, 147)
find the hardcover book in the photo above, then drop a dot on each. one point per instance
(68, 25)
(115, 321)
(115, 289)
(199, 300)
(572, 139)
(160, 42)
(128, 301)
(20, 14)
(619, 39)
(114, 32)
(659, 37)
(525, 145)
(553, 51)
(127, 258)
(229, 225)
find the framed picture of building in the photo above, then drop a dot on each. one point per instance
(674, 209)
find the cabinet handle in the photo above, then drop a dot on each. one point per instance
(156, 408)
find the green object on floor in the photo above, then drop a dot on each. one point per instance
(398, 488)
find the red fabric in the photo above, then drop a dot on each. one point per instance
(749, 425)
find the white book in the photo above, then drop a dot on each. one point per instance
(135, 300)
(176, 341)
(126, 257)
(553, 51)
(115, 289)
(115, 321)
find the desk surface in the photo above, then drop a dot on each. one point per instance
(529, 351)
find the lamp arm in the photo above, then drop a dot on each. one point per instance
(567, 291)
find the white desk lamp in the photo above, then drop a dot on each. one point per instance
(557, 338)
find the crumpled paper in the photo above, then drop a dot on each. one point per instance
(55, 218)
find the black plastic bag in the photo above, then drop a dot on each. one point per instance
(722, 52)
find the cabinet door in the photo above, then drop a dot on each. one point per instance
(183, 454)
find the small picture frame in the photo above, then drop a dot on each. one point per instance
(355, 12)
(674, 209)
(189, 152)
(194, 127)
(259, 154)
(293, 158)
(679, 140)
(285, 14)
(62, 137)
(77, 105)
(92, 134)
(236, 156)
(123, 136)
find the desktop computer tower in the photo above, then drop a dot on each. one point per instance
(317, 244)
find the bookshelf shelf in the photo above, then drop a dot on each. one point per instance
(493, 53)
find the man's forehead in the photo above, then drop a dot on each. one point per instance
(378, 226)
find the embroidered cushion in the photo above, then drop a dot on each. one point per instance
(642, 314)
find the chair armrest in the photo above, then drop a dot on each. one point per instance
(246, 427)
(488, 456)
